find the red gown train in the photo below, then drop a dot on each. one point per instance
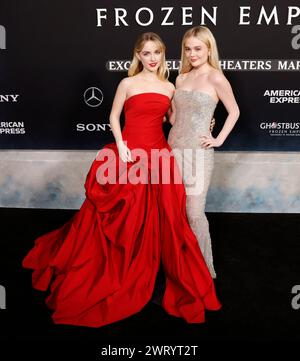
(101, 266)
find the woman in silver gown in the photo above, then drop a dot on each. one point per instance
(199, 87)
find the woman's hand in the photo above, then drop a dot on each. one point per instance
(208, 141)
(124, 152)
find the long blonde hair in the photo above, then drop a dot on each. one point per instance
(204, 34)
(137, 66)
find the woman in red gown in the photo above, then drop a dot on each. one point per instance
(101, 266)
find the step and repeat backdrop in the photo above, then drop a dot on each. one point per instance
(61, 62)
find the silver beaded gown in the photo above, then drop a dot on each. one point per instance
(194, 111)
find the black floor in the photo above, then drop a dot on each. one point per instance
(257, 259)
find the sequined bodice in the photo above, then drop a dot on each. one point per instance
(194, 111)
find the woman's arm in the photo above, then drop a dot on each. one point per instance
(114, 120)
(225, 94)
(172, 109)
(172, 113)
(116, 110)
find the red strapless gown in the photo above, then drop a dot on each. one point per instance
(101, 265)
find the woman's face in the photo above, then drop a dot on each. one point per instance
(150, 56)
(196, 51)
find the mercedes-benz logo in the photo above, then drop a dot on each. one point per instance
(93, 97)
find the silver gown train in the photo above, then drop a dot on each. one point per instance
(194, 111)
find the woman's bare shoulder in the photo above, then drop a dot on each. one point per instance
(180, 78)
(170, 86)
(217, 77)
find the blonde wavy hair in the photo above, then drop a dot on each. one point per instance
(137, 66)
(204, 34)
